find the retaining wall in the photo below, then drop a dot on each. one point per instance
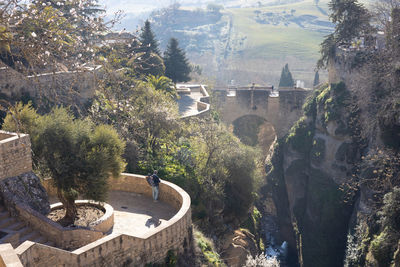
(63, 237)
(63, 86)
(15, 154)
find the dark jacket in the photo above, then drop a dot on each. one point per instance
(156, 180)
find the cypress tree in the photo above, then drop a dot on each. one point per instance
(150, 63)
(286, 77)
(148, 40)
(177, 66)
(316, 78)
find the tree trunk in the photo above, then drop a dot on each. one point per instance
(69, 206)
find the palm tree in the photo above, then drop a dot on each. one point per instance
(161, 83)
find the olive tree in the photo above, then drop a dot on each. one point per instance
(79, 156)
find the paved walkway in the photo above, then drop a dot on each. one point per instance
(136, 214)
(187, 103)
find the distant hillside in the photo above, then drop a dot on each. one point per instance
(249, 44)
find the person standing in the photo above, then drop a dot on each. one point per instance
(155, 187)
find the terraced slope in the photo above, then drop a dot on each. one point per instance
(16, 232)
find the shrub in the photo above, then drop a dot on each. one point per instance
(207, 248)
(318, 150)
(239, 186)
(171, 259)
(22, 118)
(310, 106)
(381, 248)
(390, 214)
(301, 136)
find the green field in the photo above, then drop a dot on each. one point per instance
(265, 48)
(250, 44)
(275, 41)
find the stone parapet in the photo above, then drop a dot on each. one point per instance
(79, 85)
(15, 154)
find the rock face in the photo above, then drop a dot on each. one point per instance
(305, 175)
(237, 246)
(25, 188)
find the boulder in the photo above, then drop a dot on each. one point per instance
(27, 189)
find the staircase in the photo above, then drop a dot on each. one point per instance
(17, 231)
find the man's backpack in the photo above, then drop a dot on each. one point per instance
(149, 180)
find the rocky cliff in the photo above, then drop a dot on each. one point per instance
(333, 178)
(306, 174)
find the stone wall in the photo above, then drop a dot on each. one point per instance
(63, 86)
(121, 249)
(12, 83)
(103, 224)
(15, 154)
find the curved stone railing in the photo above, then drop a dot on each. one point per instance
(123, 249)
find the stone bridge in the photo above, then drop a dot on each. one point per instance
(280, 108)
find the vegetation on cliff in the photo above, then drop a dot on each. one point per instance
(342, 158)
(318, 208)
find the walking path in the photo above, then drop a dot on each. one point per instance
(190, 97)
(188, 104)
(137, 214)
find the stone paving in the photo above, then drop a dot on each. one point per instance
(136, 214)
(188, 103)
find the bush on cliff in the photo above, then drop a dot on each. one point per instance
(226, 172)
(21, 118)
(384, 245)
(390, 214)
(207, 248)
(382, 248)
(301, 136)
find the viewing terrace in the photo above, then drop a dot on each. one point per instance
(134, 230)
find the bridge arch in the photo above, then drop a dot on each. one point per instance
(254, 130)
(281, 111)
